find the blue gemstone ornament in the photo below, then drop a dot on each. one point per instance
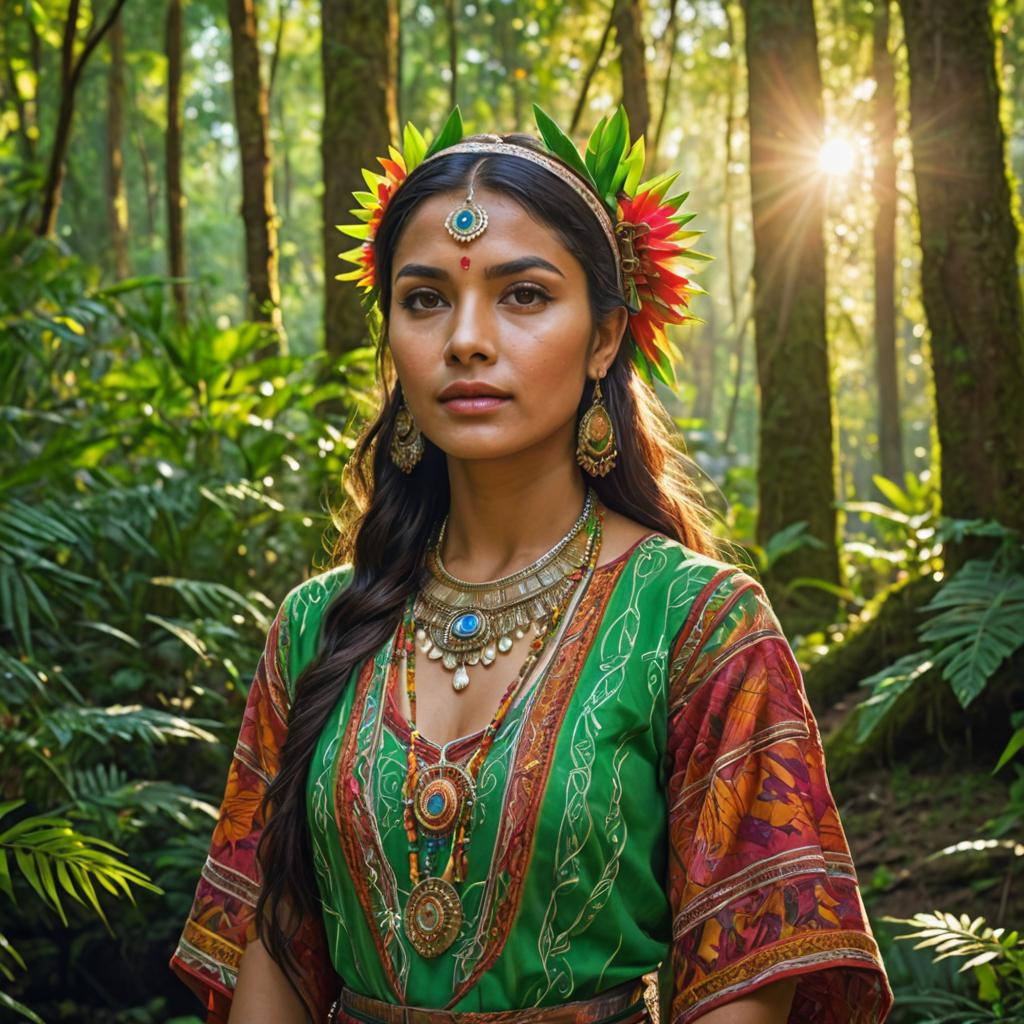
(467, 625)
(467, 221)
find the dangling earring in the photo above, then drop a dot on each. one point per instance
(595, 439)
(406, 440)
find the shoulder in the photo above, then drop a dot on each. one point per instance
(302, 612)
(712, 604)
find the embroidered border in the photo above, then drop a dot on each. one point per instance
(529, 771)
(796, 955)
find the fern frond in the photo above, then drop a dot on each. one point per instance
(50, 853)
(123, 722)
(979, 625)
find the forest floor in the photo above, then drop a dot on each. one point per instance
(922, 841)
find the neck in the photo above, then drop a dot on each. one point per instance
(505, 513)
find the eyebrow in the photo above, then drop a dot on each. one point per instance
(498, 270)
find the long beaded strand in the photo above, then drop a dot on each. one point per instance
(455, 869)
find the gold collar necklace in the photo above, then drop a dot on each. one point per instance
(462, 623)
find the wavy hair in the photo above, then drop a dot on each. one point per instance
(387, 519)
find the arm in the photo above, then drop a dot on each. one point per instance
(760, 879)
(262, 993)
(768, 1005)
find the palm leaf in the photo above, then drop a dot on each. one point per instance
(979, 625)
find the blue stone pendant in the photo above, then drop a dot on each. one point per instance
(467, 221)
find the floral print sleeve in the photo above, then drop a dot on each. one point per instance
(221, 921)
(761, 883)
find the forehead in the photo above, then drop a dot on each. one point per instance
(510, 229)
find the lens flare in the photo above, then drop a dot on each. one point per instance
(837, 157)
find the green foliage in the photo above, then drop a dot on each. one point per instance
(976, 622)
(157, 486)
(994, 955)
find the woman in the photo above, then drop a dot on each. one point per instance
(571, 773)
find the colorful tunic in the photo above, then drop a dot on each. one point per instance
(655, 800)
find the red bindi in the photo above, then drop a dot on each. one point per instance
(464, 263)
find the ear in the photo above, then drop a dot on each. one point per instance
(607, 340)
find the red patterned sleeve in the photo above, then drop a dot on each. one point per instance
(761, 882)
(222, 918)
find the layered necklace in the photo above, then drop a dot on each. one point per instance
(463, 623)
(438, 798)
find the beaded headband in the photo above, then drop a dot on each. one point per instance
(642, 227)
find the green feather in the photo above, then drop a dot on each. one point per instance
(414, 146)
(451, 133)
(560, 144)
(635, 163)
(614, 140)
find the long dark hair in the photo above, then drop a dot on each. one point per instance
(387, 520)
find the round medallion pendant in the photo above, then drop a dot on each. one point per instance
(433, 916)
(467, 221)
(466, 625)
(441, 793)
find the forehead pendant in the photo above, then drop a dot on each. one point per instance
(467, 221)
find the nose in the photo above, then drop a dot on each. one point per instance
(472, 330)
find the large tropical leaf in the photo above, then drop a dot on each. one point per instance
(980, 623)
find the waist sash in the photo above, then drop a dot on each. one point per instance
(624, 1004)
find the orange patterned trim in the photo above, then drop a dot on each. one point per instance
(807, 952)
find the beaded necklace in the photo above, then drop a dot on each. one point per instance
(438, 800)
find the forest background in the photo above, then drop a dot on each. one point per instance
(182, 380)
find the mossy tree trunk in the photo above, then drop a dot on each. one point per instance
(172, 159)
(890, 432)
(360, 71)
(628, 18)
(969, 248)
(252, 117)
(117, 199)
(796, 478)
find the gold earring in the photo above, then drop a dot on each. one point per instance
(595, 439)
(406, 440)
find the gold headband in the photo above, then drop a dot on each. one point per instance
(555, 167)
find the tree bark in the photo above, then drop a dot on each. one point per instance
(969, 246)
(70, 75)
(581, 100)
(172, 160)
(796, 480)
(359, 61)
(258, 214)
(890, 431)
(116, 195)
(628, 18)
(453, 52)
(666, 88)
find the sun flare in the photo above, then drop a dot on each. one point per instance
(837, 157)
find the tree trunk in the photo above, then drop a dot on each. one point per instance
(969, 245)
(666, 88)
(451, 17)
(70, 76)
(581, 100)
(890, 433)
(360, 118)
(172, 160)
(258, 214)
(796, 481)
(116, 195)
(628, 18)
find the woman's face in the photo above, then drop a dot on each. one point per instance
(508, 309)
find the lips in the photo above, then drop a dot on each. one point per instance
(471, 389)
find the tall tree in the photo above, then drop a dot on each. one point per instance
(359, 55)
(258, 214)
(628, 18)
(71, 68)
(172, 159)
(117, 199)
(796, 480)
(969, 246)
(890, 432)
